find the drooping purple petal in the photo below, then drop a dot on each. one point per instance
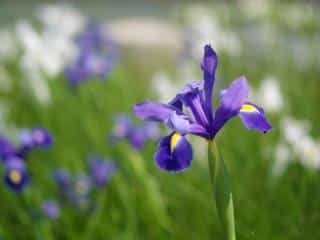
(174, 153)
(253, 117)
(232, 100)
(16, 174)
(153, 111)
(51, 209)
(209, 65)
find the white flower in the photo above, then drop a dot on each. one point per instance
(294, 130)
(308, 152)
(61, 19)
(269, 95)
(206, 28)
(163, 86)
(36, 51)
(282, 158)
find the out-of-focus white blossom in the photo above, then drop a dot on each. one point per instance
(37, 83)
(47, 51)
(269, 95)
(204, 28)
(282, 158)
(298, 145)
(163, 86)
(294, 130)
(308, 152)
(61, 19)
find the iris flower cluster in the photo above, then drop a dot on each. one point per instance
(95, 58)
(77, 190)
(174, 152)
(137, 136)
(14, 157)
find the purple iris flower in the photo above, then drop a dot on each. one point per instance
(51, 209)
(101, 170)
(124, 128)
(37, 137)
(97, 53)
(28, 139)
(174, 151)
(62, 178)
(7, 149)
(15, 173)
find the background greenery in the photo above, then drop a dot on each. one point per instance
(142, 202)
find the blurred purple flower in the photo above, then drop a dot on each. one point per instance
(174, 151)
(136, 135)
(62, 179)
(7, 149)
(51, 209)
(97, 53)
(16, 176)
(101, 170)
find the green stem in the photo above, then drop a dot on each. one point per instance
(221, 184)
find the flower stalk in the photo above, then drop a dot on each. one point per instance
(221, 185)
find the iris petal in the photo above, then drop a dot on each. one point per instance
(182, 124)
(153, 111)
(253, 117)
(174, 153)
(232, 100)
(209, 65)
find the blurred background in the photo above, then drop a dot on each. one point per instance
(77, 164)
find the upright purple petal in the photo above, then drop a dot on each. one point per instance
(193, 100)
(232, 100)
(153, 111)
(174, 153)
(253, 117)
(209, 65)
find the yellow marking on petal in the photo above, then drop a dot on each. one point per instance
(248, 108)
(174, 140)
(15, 176)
